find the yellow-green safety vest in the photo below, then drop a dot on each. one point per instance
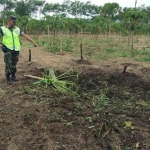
(11, 39)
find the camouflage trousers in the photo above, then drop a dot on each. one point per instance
(11, 59)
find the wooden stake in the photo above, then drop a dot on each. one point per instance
(124, 70)
(29, 57)
(81, 51)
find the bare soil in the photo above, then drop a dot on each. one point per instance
(111, 110)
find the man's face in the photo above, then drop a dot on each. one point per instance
(11, 22)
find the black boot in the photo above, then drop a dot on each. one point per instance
(13, 77)
(9, 82)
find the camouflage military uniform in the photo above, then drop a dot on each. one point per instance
(11, 47)
(11, 58)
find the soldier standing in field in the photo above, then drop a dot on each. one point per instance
(11, 47)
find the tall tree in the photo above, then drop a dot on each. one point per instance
(6, 7)
(134, 17)
(148, 12)
(25, 7)
(110, 10)
(53, 9)
(76, 8)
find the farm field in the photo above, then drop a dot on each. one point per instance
(111, 107)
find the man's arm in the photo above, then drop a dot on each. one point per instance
(29, 39)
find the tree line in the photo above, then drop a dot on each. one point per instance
(76, 17)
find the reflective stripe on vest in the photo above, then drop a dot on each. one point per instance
(11, 39)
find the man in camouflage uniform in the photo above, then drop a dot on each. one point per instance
(11, 47)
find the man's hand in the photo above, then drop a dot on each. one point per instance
(35, 45)
(30, 39)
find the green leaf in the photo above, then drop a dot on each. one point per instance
(128, 124)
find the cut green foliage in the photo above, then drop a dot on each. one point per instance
(56, 82)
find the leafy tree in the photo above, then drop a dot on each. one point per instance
(100, 24)
(51, 8)
(148, 12)
(6, 8)
(25, 8)
(39, 4)
(76, 9)
(133, 18)
(66, 7)
(110, 10)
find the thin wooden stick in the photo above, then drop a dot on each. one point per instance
(35, 77)
(40, 68)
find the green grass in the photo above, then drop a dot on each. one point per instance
(102, 48)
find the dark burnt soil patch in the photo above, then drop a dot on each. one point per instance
(83, 61)
(109, 112)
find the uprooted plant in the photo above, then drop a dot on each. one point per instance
(56, 82)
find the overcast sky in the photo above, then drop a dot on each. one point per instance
(122, 3)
